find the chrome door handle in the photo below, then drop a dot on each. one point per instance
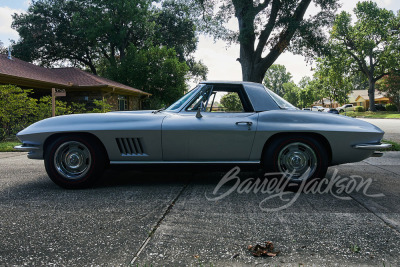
(248, 123)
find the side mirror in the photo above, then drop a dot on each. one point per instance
(201, 108)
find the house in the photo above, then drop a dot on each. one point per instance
(357, 98)
(80, 86)
(361, 98)
(326, 103)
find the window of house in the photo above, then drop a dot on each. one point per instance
(122, 102)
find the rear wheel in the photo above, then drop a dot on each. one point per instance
(300, 157)
(74, 161)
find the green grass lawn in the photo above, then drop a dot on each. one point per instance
(395, 146)
(376, 115)
(8, 146)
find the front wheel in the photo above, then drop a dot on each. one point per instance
(300, 157)
(74, 161)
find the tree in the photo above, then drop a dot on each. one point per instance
(359, 81)
(334, 79)
(370, 44)
(305, 94)
(87, 33)
(231, 102)
(275, 77)
(154, 70)
(390, 85)
(306, 97)
(291, 93)
(3, 50)
(304, 81)
(272, 25)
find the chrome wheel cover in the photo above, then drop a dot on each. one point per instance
(296, 159)
(72, 160)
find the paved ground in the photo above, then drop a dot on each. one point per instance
(390, 126)
(167, 218)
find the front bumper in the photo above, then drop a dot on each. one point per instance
(373, 147)
(25, 148)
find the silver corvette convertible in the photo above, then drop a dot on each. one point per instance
(215, 123)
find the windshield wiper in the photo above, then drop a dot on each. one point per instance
(158, 110)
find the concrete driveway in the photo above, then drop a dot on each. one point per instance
(165, 218)
(390, 126)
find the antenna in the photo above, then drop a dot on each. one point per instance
(9, 52)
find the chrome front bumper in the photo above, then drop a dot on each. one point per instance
(25, 148)
(373, 147)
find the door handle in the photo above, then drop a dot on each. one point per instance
(248, 123)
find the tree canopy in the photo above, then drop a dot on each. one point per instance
(3, 49)
(275, 77)
(267, 28)
(370, 45)
(334, 80)
(390, 86)
(157, 70)
(104, 36)
(85, 33)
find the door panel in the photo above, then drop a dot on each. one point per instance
(214, 137)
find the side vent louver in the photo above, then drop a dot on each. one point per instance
(130, 146)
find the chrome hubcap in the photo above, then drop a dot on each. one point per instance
(296, 159)
(72, 160)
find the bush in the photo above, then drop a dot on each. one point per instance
(359, 109)
(391, 107)
(18, 110)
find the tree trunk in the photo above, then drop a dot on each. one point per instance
(371, 94)
(92, 68)
(254, 66)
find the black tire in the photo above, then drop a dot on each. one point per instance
(295, 154)
(341, 111)
(74, 161)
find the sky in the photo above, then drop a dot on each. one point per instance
(217, 56)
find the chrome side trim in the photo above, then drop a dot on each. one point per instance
(372, 146)
(184, 162)
(25, 148)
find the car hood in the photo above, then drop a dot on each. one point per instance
(129, 120)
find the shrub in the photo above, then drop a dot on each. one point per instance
(100, 106)
(359, 109)
(17, 110)
(391, 107)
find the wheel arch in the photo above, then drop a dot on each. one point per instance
(83, 134)
(319, 137)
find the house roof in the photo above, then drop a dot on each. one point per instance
(23, 73)
(356, 94)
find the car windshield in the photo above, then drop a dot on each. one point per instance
(178, 104)
(282, 103)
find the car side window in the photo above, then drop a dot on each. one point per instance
(202, 97)
(221, 99)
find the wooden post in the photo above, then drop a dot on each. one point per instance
(53, 102)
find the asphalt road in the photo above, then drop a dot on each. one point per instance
(173, 218)
(390, 126)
